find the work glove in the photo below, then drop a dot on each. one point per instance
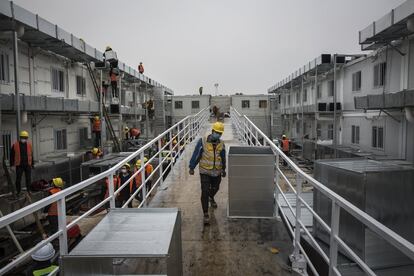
(223, 174)
(191, 172)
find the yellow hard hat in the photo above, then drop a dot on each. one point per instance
(126, 128)
(95, 150)
(24, 134)
(218, 127)
(283, 136)
(96, 118)
(127, 165)
(138, 163)
(145, 159)
(108, 48)
(58, 182)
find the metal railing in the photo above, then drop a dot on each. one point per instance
(250, 134)
(182, 133)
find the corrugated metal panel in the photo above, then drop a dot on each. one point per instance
(24, 16)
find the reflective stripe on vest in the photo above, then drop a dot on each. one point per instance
(44, 271)
(211, 158)
(53, 207)
(285, 145)
(17, 157)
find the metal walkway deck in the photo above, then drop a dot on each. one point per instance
(226, 246)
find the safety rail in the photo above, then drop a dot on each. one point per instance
(182, 132)
(250, 134)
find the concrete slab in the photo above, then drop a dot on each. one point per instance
(226, 246)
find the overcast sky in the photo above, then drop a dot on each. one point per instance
(244, 45)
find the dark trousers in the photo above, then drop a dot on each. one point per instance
(114, 86)
(209, 188)
(97, 138)
(123, 197)
(27, 170)
(287, 154)
(53, 223)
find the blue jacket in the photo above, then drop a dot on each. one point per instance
(198, 152)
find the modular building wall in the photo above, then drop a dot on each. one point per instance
(182, 106)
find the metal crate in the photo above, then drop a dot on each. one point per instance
(251, 182)
(130, 242)
(383, 190)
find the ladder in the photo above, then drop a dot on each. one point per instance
(105, 111)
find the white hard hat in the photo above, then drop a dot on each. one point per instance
(44, 254)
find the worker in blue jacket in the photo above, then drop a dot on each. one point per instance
(210, 153)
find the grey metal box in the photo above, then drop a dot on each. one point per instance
(383, 190)
(129, 242)
(251, 182)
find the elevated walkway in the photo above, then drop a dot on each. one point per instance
(226, 246)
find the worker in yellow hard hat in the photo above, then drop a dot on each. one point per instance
(21, 156)
(126, 132)
(210, 153)
(285, 147)
(52, 210)
(96, 130)
(96, 153)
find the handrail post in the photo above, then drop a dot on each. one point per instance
(277, 187)
(144, 186)
(63, 237)
(297, 259)
(333, 244)
(160, 161)
(111, 191)
(178, 141)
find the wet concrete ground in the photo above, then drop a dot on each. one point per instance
(226, 246)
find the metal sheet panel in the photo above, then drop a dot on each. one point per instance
(251, 182)
(89, 50)
(130, 241)
(64, 35)
(5, 8)
(78, 44)
(383, 23)
(24, 16)
(46, 27)
(403, 11)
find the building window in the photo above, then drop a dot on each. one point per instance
(297, 127)
(318, 130)
(304, 130)
(288, 100)
(330, 131)
(331, 88)
(245, 104)
(83, 137)
(262, 104)
(297, 98)
(379, 74)
(279, 97)
(4, 68)
(305, 95)
(318, 91)
(355, 135)
(60, 139)
(195, 104)
(178, 104)
(80, 86)
(356, 81)
(6, 142)
(58, 80)
(377, 137)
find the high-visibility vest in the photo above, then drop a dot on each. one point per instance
(17, 157)
(285, 145)
(138, 180)
(149, 169)
(96, 126)
(53, 207)
(44, 271)
(112, 76)
(211, 158)
(116, 184)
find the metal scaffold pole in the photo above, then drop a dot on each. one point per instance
(16, 81)
(334, 140)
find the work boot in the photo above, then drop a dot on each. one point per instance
(213, 203)
(206, 218)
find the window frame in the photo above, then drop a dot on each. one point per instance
(60, 86)
(63, 145)
(245, 103)
(330, 132)
(379, 74)
(80, 90)
(261, 102)
(4, 68)
(83, 136)
(318, 91)
(195, 107)
(356, 81)
(178, 105)
(6, 137)
(305, 95)
(355, 134)
(331, 88)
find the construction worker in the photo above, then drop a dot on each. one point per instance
(114, 82)
(141, 68)
(116, 184)
(125, 193)
(134, 133)
(21, 156)
(285, 147)
(96, 129)
(126, 132)
(96, 153)
(52, 212)
(42, 261)
(148, 171)
(138, 180)
(210, 153)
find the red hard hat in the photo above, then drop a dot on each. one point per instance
(74, 231)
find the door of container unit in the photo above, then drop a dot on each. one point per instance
(251, 182)
(130, 241)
